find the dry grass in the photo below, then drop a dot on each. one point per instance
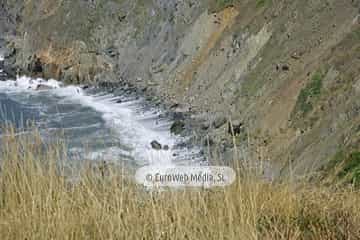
(38, 202)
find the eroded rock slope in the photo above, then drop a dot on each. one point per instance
(285, 72)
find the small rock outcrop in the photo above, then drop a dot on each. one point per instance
(177, 127)
(43, 87)
(156, 145)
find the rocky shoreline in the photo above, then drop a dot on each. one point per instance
(186, 120)
(186, 123)
(283, 75)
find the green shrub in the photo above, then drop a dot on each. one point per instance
(346, 167)
(351, 169)
(309, 95)
(356, 34)
(224, 3)
(219, 5)
(260, 3)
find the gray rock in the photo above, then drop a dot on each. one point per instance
(177, 127)
(42, 87)
(156, 145)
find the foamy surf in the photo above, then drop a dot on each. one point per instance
(124, 120)
(127, 118)
(27, 83)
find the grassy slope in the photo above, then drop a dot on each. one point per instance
(36, 202)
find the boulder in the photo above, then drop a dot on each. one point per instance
(43, 87)
(156, 145)
(177, 127)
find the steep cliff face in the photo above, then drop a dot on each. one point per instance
(285, 72)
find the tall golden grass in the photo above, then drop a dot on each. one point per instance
(39, 201)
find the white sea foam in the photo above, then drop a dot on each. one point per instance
(134, 129)
(27, 83)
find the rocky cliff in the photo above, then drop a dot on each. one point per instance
(285, 73)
